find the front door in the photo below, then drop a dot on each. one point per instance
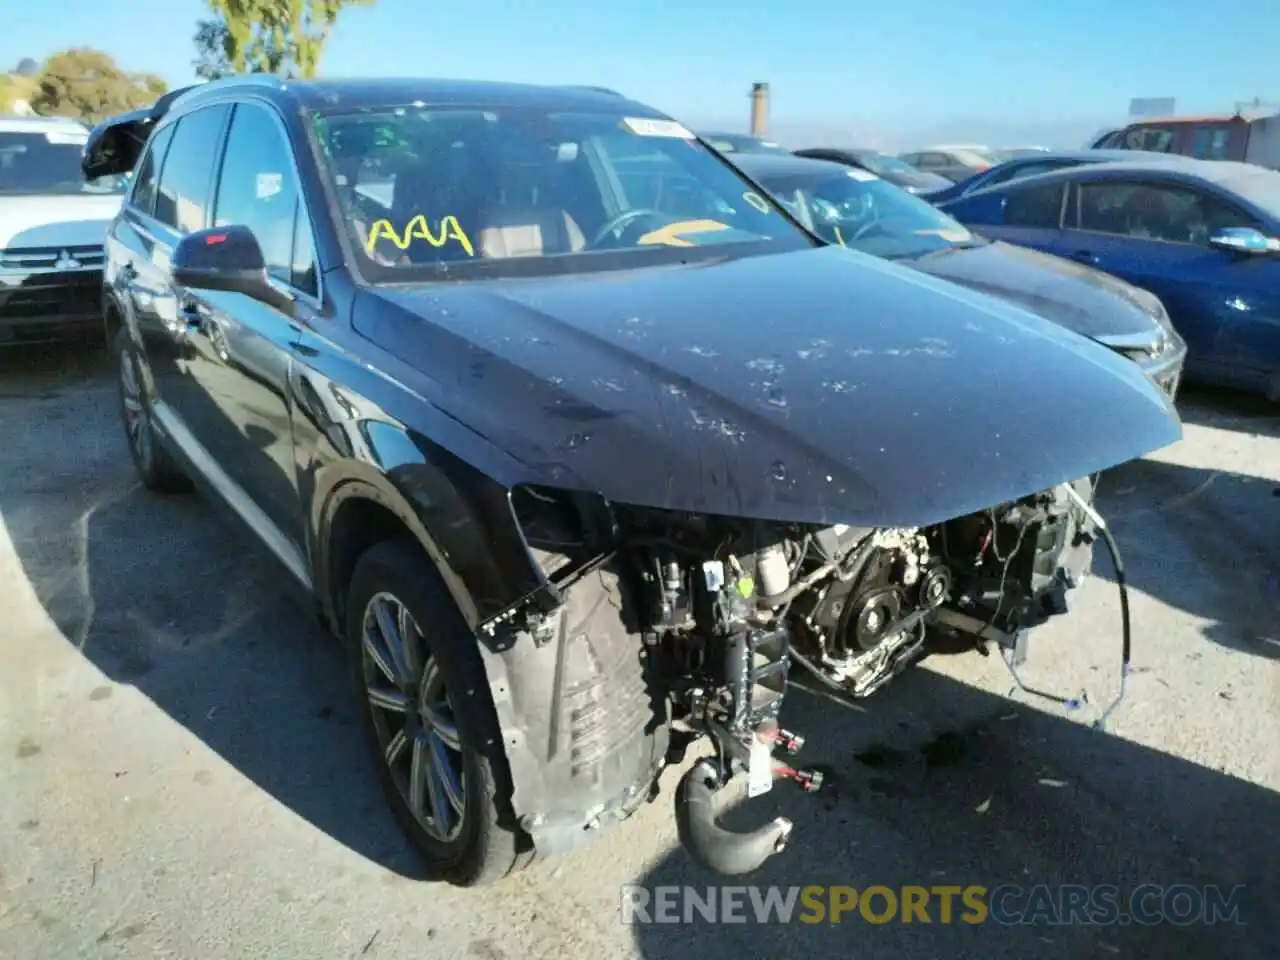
(1156, 236)
(243, 349)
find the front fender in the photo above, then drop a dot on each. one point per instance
(352, 448)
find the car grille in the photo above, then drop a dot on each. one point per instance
(33, 259)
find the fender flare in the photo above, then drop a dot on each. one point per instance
(364, 482)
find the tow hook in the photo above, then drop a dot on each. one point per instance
(722, 850)
(710, 844)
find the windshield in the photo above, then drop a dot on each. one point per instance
(516, 191)
(48, 161)
(885, 165)
(859, 210)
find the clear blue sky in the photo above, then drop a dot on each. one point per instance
(874, 66)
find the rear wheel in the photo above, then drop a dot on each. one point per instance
(428, 715)
(156, 469)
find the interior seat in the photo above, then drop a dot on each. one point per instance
(528, 231)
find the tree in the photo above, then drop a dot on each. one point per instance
(27, 67)
(13, 90)
(266, 36)
(87, 84)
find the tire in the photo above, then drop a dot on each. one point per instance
(156, 469)
(487, 843)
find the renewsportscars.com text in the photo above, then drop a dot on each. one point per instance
(1008, 904)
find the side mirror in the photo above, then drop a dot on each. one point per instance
(227, 258)
(1244, 240)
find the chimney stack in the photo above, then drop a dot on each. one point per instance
(759, 109)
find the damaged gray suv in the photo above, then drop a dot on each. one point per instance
(580, 442)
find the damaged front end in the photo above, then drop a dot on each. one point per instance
(658, 628)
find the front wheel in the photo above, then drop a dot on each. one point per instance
(428, 715)
(156, 469)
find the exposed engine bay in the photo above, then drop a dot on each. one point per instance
(721, 611)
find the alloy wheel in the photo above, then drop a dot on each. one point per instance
(413, 718)
(136, 419)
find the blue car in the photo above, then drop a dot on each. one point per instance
(1033, 163)
(1204, 236)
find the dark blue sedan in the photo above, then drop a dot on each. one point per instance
(1034, 163)
(1204, 236)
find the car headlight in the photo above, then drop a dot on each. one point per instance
(1154, 308)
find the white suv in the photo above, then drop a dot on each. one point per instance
(52, 225)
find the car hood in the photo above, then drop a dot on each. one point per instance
(52, 220)
(1080, 298)
(820, 386)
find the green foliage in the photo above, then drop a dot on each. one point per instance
(15, 87)
(266, 36)
(87, 84)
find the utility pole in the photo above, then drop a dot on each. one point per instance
(759, 109)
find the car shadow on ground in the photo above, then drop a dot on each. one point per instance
(1214, 554)
(945, 784)
(1227, 409)
(168, 594)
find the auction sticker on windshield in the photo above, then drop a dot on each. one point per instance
(862, 176)
(647, 127)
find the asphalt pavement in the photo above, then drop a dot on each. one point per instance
(180, 772)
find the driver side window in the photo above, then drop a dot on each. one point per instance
(1150, 211)
(257, 189)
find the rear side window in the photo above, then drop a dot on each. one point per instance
(186, 182)
(1210, 143)
(148, 176)
(1034, 206)
(257, 189)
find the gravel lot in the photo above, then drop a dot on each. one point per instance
(180, 773)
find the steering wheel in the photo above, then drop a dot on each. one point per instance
(624, 219)
(865, 229)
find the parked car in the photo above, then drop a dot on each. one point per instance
(1244, 138)
(1203, 236)
(1031, 165)
(562, 469)
(741, 143)
(861, 211)
(896, 171)
(52, 223)
(953, 163)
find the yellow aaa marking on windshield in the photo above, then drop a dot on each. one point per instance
(839, 235)
(419, 229)
(756, 201)
(672, 234)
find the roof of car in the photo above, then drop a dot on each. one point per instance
(787, 165)
(1216, 171)
(1102, 155)
(358, 93)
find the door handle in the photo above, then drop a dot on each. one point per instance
(1083, 256)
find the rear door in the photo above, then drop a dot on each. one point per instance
(1029, 214)
(1155, 235)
